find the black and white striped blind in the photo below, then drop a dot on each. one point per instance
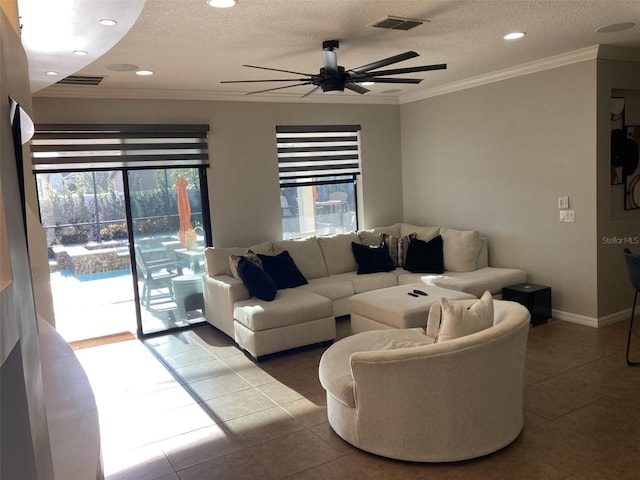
(56, 148)
(307, 154)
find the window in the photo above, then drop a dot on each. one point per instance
(318, 169)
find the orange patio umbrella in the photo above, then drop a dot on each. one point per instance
(184, 211)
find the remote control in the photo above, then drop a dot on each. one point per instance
(412, 294)
(420, 292)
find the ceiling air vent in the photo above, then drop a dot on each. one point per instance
(398, 23)
(91, 80)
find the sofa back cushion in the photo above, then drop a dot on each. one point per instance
(337, 253)
(390, 230)
(461, 249)
(306, 254)
(217, 259)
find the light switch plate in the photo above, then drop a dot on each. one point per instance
(567, 216)
(563, 202)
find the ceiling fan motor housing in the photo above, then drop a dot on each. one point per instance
(332, 82)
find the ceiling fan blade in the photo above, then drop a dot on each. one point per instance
(391, 80)
(400, 71)
(269, 80)
(279, 70)
(354, 87)
(383, 63)
(311, 92)
(279, 88)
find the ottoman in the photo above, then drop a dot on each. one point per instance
(393, 307)
(295, 318)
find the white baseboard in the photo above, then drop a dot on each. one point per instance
(592, 321)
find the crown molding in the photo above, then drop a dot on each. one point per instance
(576, 56)
(65, 91)
(609, 52)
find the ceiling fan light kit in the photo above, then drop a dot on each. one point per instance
(334, 78)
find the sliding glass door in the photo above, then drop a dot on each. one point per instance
(168, 242)
(126, 249)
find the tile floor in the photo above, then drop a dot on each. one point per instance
(190, 406)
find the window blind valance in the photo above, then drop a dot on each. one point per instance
(308, 153)
(57, 148)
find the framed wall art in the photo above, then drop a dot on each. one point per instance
(631, 167)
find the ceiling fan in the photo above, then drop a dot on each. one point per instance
(334, 79)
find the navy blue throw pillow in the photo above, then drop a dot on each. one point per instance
(372, 258)
(256, 280)
(283, 270)
(425, 257)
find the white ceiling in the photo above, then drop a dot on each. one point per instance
(191, 47)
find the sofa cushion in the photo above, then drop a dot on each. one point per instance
(390, 230)
(372, 258)
(234, 260)
(368, 237)
(425, 257)
(217, 258)
(307, 255)
(373, 281)
(392, 242)
(337, 254)
(256, 280)
(334, 287)
(434, 318)
(427, 233)
(461, 249)
(283, 270)
(458, 320)
(290, 307)
(402, 246)
(489, 278)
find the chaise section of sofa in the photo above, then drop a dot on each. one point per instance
(330, 268)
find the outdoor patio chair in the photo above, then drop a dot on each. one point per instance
(633, 265)
(155, 270)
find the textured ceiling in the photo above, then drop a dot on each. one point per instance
(191, 47)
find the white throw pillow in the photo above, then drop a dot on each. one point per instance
(458, 319)
(460, 249)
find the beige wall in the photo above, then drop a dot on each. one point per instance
(243, 177)
(496, 158)
(493, 158)
(617, 229)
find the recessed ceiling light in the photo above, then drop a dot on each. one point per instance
(222, 3)
(107, 22)
(144, 72)
(367, 84)
(514, 35)
(81, 52)
(616, 27)
(51, 73)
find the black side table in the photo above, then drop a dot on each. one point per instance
(537, 299)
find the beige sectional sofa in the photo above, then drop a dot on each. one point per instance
(305, 314)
